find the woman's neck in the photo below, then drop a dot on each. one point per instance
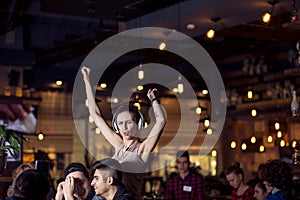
(243, 187)
(130, 143)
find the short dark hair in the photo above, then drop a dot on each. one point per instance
(236, 169)
(262, 186)
(182, 153)
(32, 185)
(76, 167)
(111, 167)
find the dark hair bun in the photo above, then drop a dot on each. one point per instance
(236, 164)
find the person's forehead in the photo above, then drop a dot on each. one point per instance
(182, 159)
(231, 175)
(125, 114)
(78, 175)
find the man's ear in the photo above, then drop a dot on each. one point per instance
(110, 180)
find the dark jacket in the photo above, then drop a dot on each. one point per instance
(122, 193)
(281, 195)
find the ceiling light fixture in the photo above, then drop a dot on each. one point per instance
(190, 26)
(141, 72)
(210, 34)
(162, 46)
(266, 16)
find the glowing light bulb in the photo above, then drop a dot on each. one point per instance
(250, 95)
(210, 34)
(204, 92)
(270, 139)
(282, 143)
(59, 83)
(261, 148)
(244, 146)
(253, 112)
(294, 144)
(279, 134)
(140, 87)
(141, 74)
(253, 139)
(40, 136)
(198, 110)
(277, 126)
(206, 123)
(214, 153)
(209, 131)
(162, 46)
(97, 131)
(103, 85)
(180, 88)
(266, 18)
(146, 125)
(233, 144)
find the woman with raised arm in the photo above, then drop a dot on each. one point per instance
(128, 121)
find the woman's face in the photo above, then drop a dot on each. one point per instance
(234, 180)
(127, 126)
(259, 194)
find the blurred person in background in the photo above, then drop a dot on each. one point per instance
(235, 177)
(30, 185)
(277, 177)
(260, 191)
(185, 185)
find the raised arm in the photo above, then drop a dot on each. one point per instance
(95, 112)
(160, 120)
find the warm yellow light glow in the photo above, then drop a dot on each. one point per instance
(253, 112)
(210, 34)
(59, 82)
(266, 17)
(175, 90)
(250, 96)
(209, 131)
(180, 88)
(198, 110)
(97, 131)
(244, 146)
(140, 87)
(190, 26)
(213, 163)
(146, 125)
(40, 136)
(282, 143)
(277, 126)
(261, 148)
(91, 120)
(214, 153)
(162, 46)
(204, 92)
(103, 85)
(141, 74)
(233, 144)
(270, 139)
(279, 134)
(253, 139)
(206, 123)
(294, 144)
(138, 105)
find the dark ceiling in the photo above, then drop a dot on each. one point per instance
(54, 36)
